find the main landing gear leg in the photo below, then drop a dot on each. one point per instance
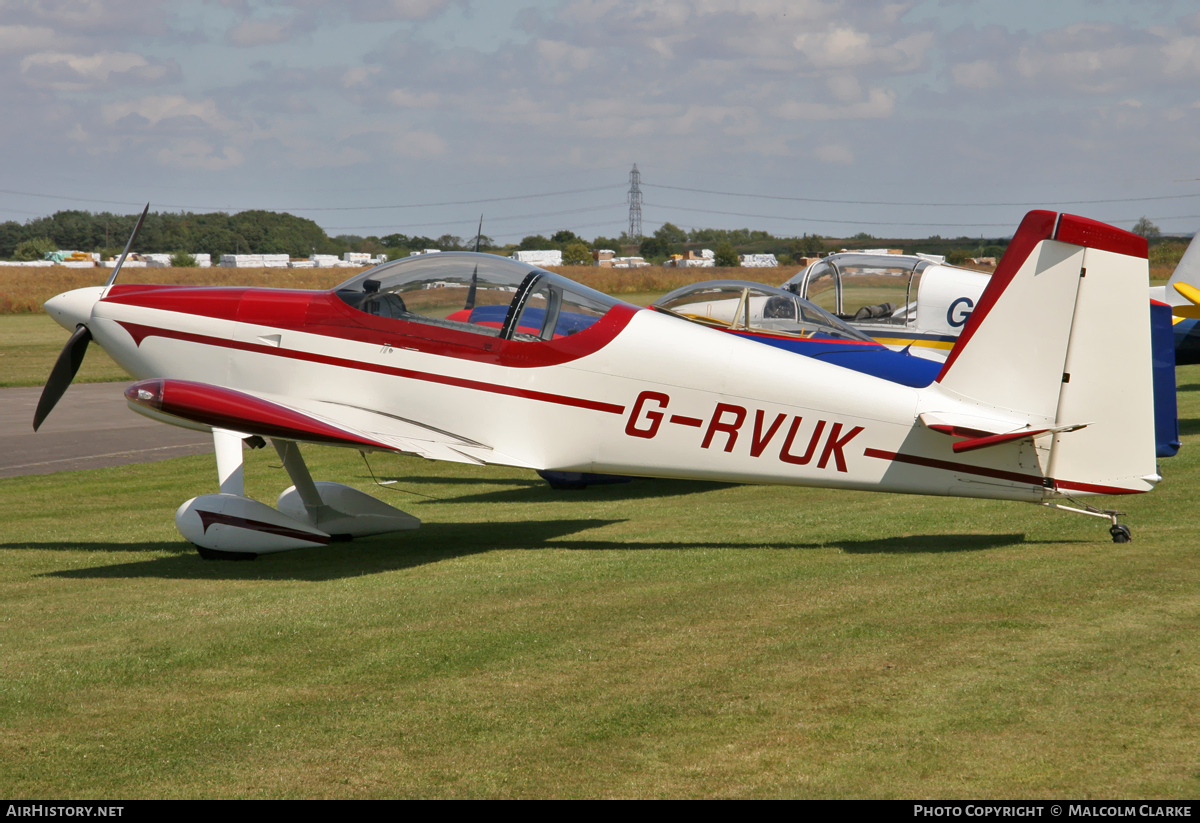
(1120, 533)
(231, 526)
(342, 512)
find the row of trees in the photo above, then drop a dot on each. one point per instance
(670, 239)
(257, 232)
(266, 232)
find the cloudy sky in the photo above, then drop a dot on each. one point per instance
(900, 119)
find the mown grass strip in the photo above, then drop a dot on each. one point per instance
(658, 639)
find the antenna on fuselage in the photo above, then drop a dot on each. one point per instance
(475, 274)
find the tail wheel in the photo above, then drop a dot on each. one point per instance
(1120, 534)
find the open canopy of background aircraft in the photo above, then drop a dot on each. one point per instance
(784, 320)
(900, 300)
(481, 359)
(920, 307)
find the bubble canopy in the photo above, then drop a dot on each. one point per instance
(477, 293)
(739, 305)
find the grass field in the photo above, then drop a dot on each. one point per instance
(24, 290)
(29, 345)
(656, 639)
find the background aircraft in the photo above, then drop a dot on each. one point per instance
(1181, 295)
(574, 380)
(913, 304)
(784, 320)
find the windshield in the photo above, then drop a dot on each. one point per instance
(738, 305)
(478, 293)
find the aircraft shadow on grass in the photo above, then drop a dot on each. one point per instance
(538, 491)
(436, 542)
(1189, 425)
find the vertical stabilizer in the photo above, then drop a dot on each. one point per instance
(1061, 337)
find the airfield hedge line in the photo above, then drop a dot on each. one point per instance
(24, 290)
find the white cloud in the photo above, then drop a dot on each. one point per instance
(980, 74)
(880, 102)
(394, 9)
(835, 154)
(845, 47)
(70, 12)
(90, 19)
(358, 76)
(1081, 59)
(775, 34)
(419, 145)
(163, 107)
(315, 154)
(264, 31)
(1182, 56)
(199, 154)
(16, 39)
(563, 59)
(412, 100)
(844, 87)
(839, 48)
(77, 72)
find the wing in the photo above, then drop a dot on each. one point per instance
(205, 406)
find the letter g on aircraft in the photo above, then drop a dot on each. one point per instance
(639, 412)
(959, 311)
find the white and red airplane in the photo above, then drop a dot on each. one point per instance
(481, 359)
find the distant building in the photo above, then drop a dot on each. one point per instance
(759, 261)
(539, 257)
(255, 261)
(703, 259)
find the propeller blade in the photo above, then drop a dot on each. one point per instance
(124, 254)
(63, 373)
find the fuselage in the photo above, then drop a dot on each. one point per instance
(636, 393)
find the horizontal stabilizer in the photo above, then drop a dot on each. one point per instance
(982, 438)
(1191, 293)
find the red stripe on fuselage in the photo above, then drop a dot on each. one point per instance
(140, 333)
(998, 474)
